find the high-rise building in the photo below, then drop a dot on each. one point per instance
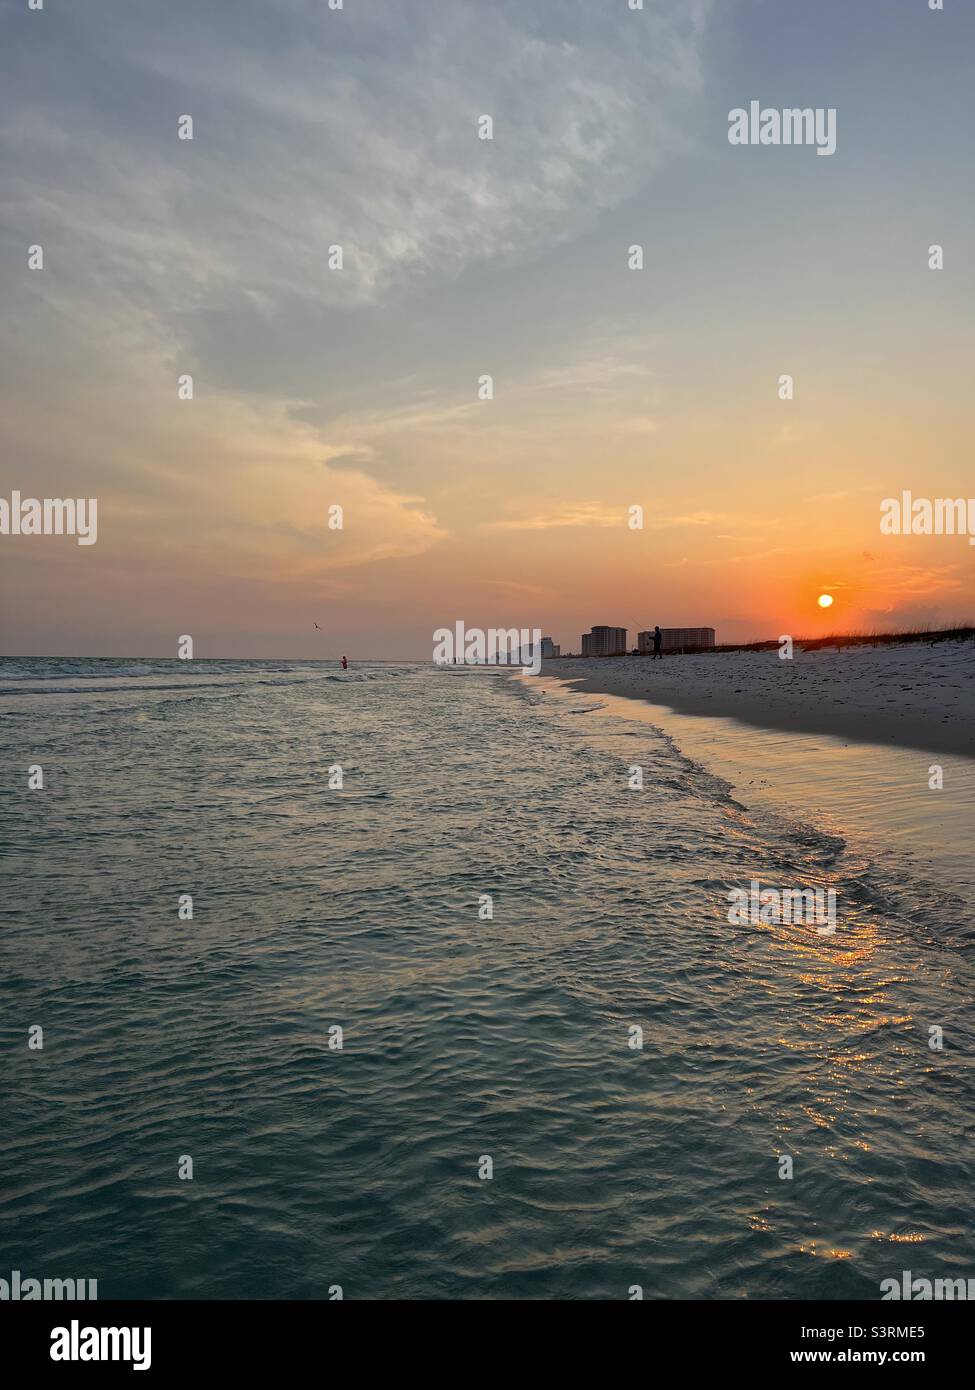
(604, 641)
(550, 649)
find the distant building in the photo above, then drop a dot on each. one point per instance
(550, 649)
(604, 641)
(676, 639)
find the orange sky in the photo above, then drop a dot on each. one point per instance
(612, 387)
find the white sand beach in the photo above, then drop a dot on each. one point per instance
(905, 695)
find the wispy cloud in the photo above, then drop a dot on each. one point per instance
(356, 127)
(595, 515)
(587, 515)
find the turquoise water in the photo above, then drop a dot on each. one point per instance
(315, 907)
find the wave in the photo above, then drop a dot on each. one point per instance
(77, 676)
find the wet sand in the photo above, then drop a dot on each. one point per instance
(911, 695)
(873, 799)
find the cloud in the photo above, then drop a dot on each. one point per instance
(842, 494)
(586, 514)
(356, 127)
(911, 581)
(594, 514)
(231, 483)
(313, 128)
(689, 519)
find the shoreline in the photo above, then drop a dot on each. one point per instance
(903, 696)
(874, 800)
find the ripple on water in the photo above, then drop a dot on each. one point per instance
(464, 1037)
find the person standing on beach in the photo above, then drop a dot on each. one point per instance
(658, 638)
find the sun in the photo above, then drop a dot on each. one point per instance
(825, 600)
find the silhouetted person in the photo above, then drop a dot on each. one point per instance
(345, 664)
(658, 638)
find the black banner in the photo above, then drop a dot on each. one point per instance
(171, 1339)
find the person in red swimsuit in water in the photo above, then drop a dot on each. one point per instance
(345, 664)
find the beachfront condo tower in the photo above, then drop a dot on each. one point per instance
(604, 641)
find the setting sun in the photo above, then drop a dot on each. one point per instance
(825, 600)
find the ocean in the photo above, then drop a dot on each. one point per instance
(563, 1073)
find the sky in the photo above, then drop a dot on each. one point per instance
(463, 258)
